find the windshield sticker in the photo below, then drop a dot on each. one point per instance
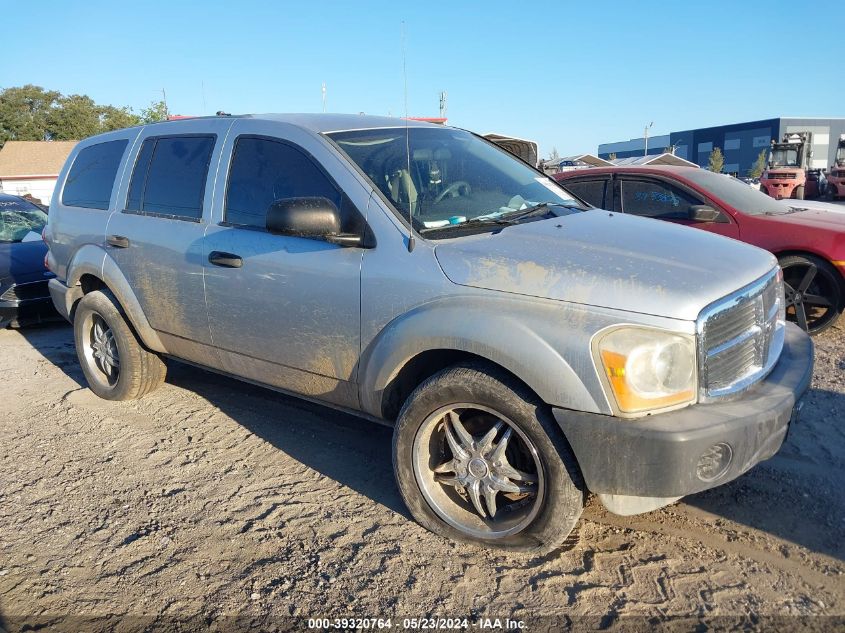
(436, 224)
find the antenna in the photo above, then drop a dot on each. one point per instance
(411, 241)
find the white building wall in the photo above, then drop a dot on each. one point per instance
(41, 188)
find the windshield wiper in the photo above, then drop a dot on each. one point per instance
(480, 221)
(508, 218)
(519, 214)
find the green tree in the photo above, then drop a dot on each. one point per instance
(716, 160)
(156, 112)
(73, 117)
(113, 118)
(25, 113)
(759, 165)
(31, 113)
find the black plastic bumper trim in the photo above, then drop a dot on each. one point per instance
(657, 456)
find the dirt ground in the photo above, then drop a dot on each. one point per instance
(211, 499)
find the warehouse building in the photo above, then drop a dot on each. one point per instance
(741, 143)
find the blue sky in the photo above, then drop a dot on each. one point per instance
(569, 75)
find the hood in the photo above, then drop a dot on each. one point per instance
(812, 214)
(22, 261)
(608, 260)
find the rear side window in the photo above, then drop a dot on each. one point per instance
(656, 199)
(591, 191)
(91, 179)
(169, 176)
(264, 170)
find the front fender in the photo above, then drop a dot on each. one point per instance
(93, 260)
(546, 344)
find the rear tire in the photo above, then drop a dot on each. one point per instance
(799, 192)
(486, 403)
(115, 364)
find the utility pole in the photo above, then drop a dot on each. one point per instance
(443, 105)
(647, 127)
(164, 100)
(324, 96)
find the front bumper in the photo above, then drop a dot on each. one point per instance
(27, 310)
(657, 457)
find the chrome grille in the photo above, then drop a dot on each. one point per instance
(741, 337)
(782, 175)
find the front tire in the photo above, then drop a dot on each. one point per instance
(478, 458)
(799, 192)
(815, 296)
(115, 364)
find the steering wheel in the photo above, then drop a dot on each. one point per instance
(455, 190)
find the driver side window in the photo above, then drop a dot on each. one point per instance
(263, 171)
(656, 199)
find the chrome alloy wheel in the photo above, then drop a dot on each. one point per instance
(811, 295)
(100, 349)
(478, 471)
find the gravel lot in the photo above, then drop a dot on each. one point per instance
(211, 498)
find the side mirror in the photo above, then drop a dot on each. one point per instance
(703, 213)
(312, 218)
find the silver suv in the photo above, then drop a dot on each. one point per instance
(527, 349)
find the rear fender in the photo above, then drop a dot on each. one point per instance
(93, 260)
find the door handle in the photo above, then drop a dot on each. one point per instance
(227, 260)
(118, 241)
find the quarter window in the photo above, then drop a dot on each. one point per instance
(264, 171)
(656, 199)
(169, 176)
(91, 179)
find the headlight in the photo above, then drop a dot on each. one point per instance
(647, 370)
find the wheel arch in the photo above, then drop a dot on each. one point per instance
(429, 338)
(92, 269)
(804, 252)
(424, 365)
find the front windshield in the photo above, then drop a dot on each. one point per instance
(783, 158)
(443, 177)
(18, 219)
(736, 193)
